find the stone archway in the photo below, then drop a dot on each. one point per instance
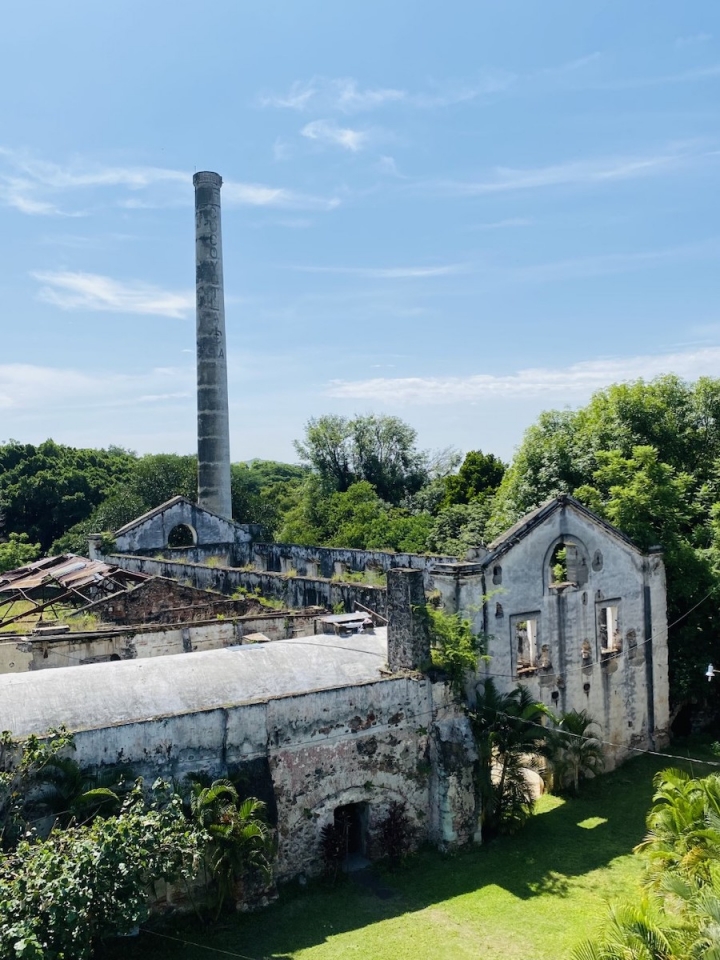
(182, 535)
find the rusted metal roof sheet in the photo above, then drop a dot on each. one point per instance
(67, 570)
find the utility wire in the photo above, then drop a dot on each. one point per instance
(200, 946)
(609, 743)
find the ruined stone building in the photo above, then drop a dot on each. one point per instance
(318, 727)
(321, 724)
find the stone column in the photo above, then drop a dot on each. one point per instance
(212, 392)
(407, 632)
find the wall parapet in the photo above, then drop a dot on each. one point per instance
(295, 592)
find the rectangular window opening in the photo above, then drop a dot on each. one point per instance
(526, 641)
(609, 628)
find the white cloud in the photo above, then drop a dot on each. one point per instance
(561, 383)
(502, 224)
(257, 195)
(572, 65)
(345, 95)
(33, 389)
(577, 172)
(388, 273)
(329, 132)
(39, 188)
(90, 291)
(341, 94)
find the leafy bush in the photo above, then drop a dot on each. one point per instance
(455, 647)
(574, 753)
(59, 897)
(17, 551)
(677, 914)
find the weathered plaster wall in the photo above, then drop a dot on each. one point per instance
(329, 561)
(366, 743)
(22, 653)
(295, 592)
(150, 533)
(626, 692)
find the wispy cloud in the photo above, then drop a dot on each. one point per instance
(33, 389)
(565, 383)
(693, 39)
(90, 291)
(611, 263)
(572, 173)
(503, 224)
(41, 188)
(346, 95)
(708, 72)
(329, 132)
(388, 273)
(579, 63)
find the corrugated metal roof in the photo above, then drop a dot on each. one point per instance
(67, 570)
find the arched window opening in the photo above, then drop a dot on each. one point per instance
(183, 535)
(568, 565)
(559, 565)
(497, 574)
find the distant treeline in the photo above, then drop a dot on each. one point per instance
(646, 456)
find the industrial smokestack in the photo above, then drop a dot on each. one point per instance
(212, 393)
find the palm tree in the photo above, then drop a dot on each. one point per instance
(507, 727)
(240, 839)
(574, 752)
(683, 827)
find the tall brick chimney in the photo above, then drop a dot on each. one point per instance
(212, 391)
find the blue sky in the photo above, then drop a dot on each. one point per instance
(461, 213)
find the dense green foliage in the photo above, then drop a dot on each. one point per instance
(380, 450)
(238, 837)
(676, 915)
(646, 456)
(17, 551)
(78, 860)
(45, 490)
(455, 647)
(60, 896)
(508, 729)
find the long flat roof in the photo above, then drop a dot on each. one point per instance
(100, 695)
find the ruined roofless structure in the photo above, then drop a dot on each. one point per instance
(212, 391)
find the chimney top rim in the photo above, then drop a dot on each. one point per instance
(207, 178)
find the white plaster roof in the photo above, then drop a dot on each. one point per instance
(101, 695)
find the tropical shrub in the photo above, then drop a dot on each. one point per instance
(454, 646)
(395, 833)
(60, 897)
(677, 914)
(508, 730)
(574, 753)
(239, 840)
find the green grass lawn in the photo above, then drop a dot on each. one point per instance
(528, 897)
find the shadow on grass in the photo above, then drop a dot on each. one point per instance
(565, 840)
